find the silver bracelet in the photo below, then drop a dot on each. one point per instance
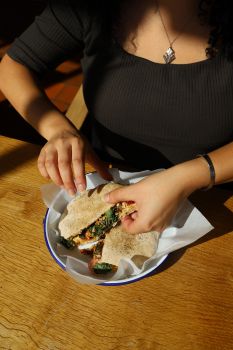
(211, 169)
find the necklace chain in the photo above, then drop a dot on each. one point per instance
(169, 55)
(171, 42)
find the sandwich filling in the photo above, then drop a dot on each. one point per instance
(95, 265)
(98, 229)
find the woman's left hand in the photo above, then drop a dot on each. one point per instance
(157, 198)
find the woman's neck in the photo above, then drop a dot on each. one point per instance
(147, 32)
(177, 12)
(178, 5)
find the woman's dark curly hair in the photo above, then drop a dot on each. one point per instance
(219, 15)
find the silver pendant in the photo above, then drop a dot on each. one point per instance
(169, 55)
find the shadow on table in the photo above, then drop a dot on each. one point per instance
(170, 260)
(18, 156)
(212, 205)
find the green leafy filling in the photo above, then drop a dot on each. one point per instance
(96, 230)
(67, 243)
(97, 251)
(103, 224)
(102, 268)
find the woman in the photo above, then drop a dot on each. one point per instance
(158, 83)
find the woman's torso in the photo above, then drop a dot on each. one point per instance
(168, 113)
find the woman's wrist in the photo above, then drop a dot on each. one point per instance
(55, 123)
(194, 175)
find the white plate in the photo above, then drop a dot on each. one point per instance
(59, 203)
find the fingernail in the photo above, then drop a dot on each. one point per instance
(134, 216)
(81, 188)
(71, 192)
(106, 197)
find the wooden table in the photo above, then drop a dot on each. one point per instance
(187, 304)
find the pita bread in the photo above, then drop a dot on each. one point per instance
(120, 244)
(85, 210)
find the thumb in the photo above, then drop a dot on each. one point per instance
(119, 195)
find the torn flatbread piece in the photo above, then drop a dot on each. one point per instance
(119, 244)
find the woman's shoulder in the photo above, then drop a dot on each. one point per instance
(87, 8)
(64, 27)
(96, 17)
(89, 13)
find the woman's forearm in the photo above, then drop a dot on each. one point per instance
(23, 91)
(196, 173)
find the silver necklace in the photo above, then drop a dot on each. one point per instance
(170, 55)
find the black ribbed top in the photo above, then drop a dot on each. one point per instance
(147, 113)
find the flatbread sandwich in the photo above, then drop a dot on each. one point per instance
(93, 226)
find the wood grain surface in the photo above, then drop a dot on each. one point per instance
(187, 304)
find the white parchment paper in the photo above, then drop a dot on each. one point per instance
(187, 226)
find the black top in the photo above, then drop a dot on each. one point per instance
(147, 113)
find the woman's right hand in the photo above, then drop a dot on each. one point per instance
(63, 158)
